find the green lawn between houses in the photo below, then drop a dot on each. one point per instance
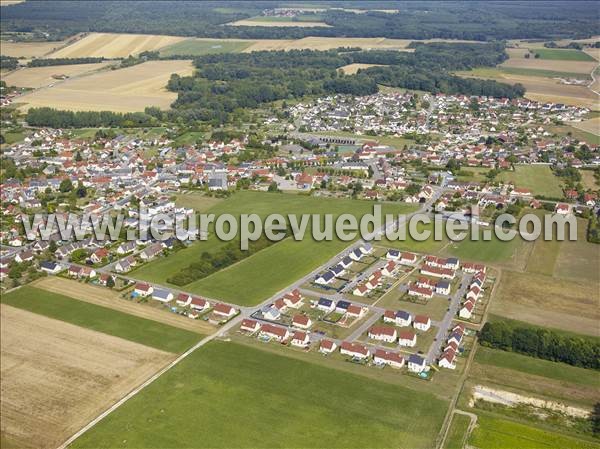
(538, 178)
(259, 276)
(496, 433)
(101, 319)
(229, 395)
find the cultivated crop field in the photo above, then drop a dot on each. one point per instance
(125, 90)
(28, 49)
(36, 77)
(547, 301)
(261, 22)
(198, 47)
(542, 85)
(101, 319)
(328, 43)
(591, 126)
(517, 59)
(351, 69)
(226, 386)
(57, 376)
(109, 45)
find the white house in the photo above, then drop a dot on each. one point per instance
(407, 338)
(300, 339)
(162, 295)
(327, 346)
(383, 333)
(249, 325)
(416, 364)
(422, 322)
(301, 321)
(143, 289)
(354, 350)
(448, 359)
(393, 359)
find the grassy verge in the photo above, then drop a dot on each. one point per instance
(456, 434)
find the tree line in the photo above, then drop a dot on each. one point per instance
(41, 62)
(541, 343)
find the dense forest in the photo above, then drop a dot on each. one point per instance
(542, 343)
(474, 20)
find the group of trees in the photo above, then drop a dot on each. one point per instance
(8, 62)
(226, 82)
(212, 262)
(542, 343)
(56, 118)
(41, 62)
(474, 20)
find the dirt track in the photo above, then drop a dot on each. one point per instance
(55, 376)
(107, 298)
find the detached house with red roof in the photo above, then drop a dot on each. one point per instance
(393, 359)
(383, 333)
(354, 350)
(250, 326)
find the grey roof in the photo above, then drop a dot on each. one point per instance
(403, 314)
(325, 302)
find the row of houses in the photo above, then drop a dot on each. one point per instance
(196, 304)
(472, 296)
(402, 318)
(448, 357)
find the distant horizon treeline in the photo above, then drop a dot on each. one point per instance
(473, 20)
(541, 343)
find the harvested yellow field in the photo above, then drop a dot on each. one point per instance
(351, 69)
(28, 49)
(328, 43)
(517, 60)
(125, 90)
(56, 376)
(110, 45)
(37, 77)
(591, 126)
(10, 2)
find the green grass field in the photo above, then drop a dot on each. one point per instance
(492, 251)
(264, 273)
(258, 277)
(562, 54)
(538, 178)
(199, 47)
(495, 433)
(228, 395)
(456, 434)
(538, 367)
(101, 319)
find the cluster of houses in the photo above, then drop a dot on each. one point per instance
(474, 293)
(291, 300)
(196, 305)
(448, 357)
(360, 352)
(338, 270)
(439, 267)
(281, 334)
